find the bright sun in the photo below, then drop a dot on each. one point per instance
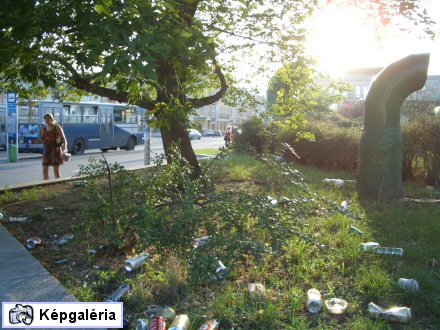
(341, 38)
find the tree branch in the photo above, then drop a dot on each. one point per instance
(86, 84)
(217, 96)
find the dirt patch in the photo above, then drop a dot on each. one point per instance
(52, 212)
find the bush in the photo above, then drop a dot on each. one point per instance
(253, 134)
(421, 149)
(334, 147)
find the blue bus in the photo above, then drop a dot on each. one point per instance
(87, 125)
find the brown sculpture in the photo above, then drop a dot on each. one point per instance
(380, 147)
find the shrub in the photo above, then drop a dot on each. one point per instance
(421, 148)
(333, 146)
(253, 134)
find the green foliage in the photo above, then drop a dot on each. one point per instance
(333, 147)
(421, 148)
(253, 134)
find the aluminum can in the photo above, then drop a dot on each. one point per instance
(33, 242)
(142, 324)
(180, 323)
(136, 262)
(394, 314)
(168, 314)
(344, 207)
(356, 231)
(409, 285)
(117, 295)
(369, 246)
(157, 323)
(389, 251)
(209, 325)
(314, 301)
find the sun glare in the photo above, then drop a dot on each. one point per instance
(340, 39)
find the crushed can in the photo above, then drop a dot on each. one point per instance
(33, 242)
(117, 295)
(198, 242)
(219, 269)
(394, 314)
(369, 246)
(210, 325)
(408, 284)
(64, 240)
(157, 323)
(136, 262)
(180, 323)
(314, 301)
(389, 251)
(142, 324)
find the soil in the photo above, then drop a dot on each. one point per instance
(53, 211)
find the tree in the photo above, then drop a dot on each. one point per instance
(160, 55)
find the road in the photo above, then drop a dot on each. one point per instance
(28, 168)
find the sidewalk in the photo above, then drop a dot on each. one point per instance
(22, 278)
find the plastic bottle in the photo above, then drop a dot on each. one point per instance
(180, 323)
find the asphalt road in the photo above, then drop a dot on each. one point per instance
(28, 168)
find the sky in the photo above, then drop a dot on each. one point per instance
(343, 39)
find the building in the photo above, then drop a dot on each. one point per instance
(360, 80)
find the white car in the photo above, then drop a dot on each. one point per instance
(194, 134)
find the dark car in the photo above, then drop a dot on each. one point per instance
(211, 132)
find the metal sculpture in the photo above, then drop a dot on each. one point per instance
(380, 146)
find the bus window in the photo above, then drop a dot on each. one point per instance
(119, 115)
(90, 114)
(27, 114)
(72, 114)
(130, 116)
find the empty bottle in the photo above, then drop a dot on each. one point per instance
(314, 301)
(394, 314)
(389, 251)
(117, 295)
(369, 246)
(180, 323)
(136, 262)
(409, 285)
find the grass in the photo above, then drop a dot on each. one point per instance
(207, 151)
(272, 225)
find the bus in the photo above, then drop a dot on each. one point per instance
(87, 125)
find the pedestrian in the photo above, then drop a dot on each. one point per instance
(54, 142)
(228, 136)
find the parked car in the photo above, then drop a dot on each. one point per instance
(211, 132)
(194, 134)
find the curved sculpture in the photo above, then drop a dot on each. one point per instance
(380, 147)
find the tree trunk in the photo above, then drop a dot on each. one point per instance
(178, 134)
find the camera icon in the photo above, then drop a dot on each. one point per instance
(21, 314)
